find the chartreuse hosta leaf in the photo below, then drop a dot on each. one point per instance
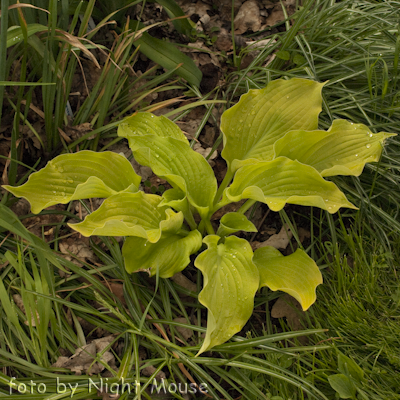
(263, 116)
(343, 150)
(182, 167)
(230, 283)
(159, 143)
(296, 274)
(81, 175)
(176, 199)
(131, 214)
(284, 181)
(144, 123)
(168, 256)
(235, 222)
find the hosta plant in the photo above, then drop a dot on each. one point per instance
(275, 155)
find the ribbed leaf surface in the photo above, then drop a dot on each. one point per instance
(81, 175)
(343, 150)
(131, 214)
(296, 274)
(230, 283)
(168, 256)
(262, 116)
(284, 181)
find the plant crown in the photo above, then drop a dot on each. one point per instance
(275, 154)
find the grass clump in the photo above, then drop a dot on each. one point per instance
(359, 305)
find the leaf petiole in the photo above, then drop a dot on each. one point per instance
(208, 226)
(226, 181)
(188, 215)
(249, 203)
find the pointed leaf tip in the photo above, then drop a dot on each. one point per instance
(230, 283)
(81, 175)
(342, 150)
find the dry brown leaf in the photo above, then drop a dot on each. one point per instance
(190, 127)
(269, 231)
(260, 44)
(75, 250)
(225, 8)
(150, 369)
(205, 152)
(208, 137)
(248, 17)
(275, 16)
(194, 8)
(77, 131)
(279, 240)
(289, 308)
(303, 234)
(181, 280)
(82, 360)
(201, 54)
(224, 41)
